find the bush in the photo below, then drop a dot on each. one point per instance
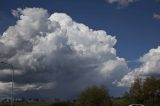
(94, 96)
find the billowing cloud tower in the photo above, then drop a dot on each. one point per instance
(56, 56)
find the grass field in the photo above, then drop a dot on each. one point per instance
(37, 104)
(27, 104)
(116, 102)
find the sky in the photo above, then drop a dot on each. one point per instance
(58, 44)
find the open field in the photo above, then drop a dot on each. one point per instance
(116, 102)
(26, 104)
(37, 104)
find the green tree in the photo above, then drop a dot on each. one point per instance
(136, 92)
(151, 91)
(145, 91)
(94, 96)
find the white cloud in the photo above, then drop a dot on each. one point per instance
(54, 48)
(122, 3)
(150, 67)
(4, 87)
(37, 86)
(4, 72)
(17, 12)
(156, 16)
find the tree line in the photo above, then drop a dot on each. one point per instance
(145, 92)
(142, 91)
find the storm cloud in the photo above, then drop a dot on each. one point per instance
(57, 57)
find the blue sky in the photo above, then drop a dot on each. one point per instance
(135, 25)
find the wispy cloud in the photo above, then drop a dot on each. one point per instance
(121, 3)
(157, 0)
(156, 16)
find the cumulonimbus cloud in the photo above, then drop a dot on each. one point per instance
(55, 50)
(54, 56)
